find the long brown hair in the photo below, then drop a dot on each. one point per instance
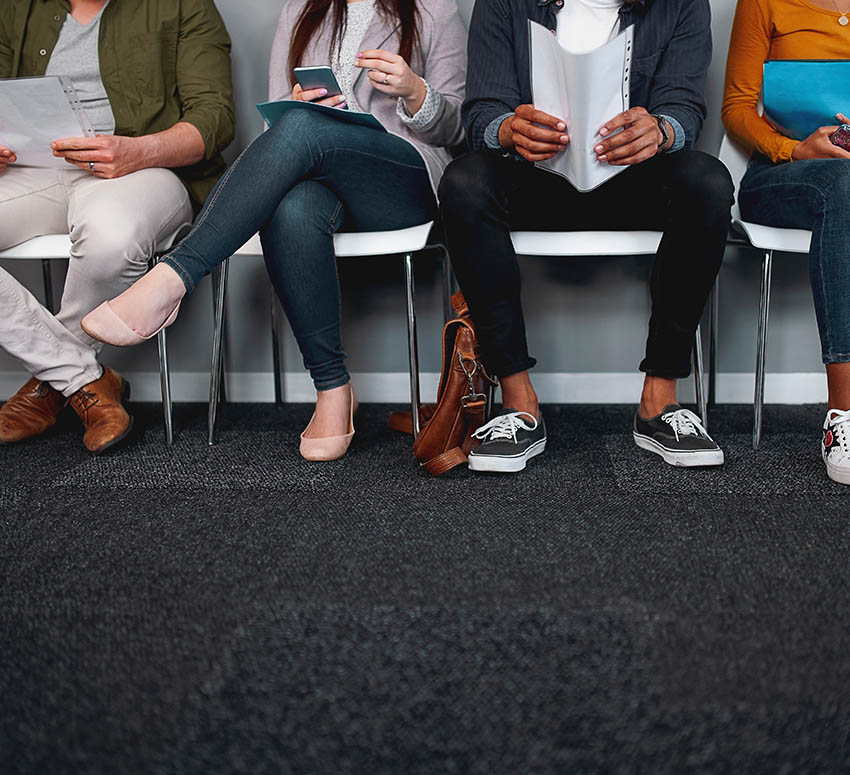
(314, 12)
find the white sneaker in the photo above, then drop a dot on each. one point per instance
(835, 445)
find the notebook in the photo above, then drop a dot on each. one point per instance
(802, 95)
(274, 111)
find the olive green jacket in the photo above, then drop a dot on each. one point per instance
(161, 61)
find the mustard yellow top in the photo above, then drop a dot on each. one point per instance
(766, 30)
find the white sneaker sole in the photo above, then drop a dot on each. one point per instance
(700, 457)
(838, 474)
(506, 465)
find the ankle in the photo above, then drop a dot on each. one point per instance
(522, 402)
(657, 395)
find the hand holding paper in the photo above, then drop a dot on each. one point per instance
(113, 155)
(640, 139)
(533, 134)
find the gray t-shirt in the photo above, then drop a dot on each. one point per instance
(76, 56)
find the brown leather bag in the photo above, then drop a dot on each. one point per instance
(446, 436)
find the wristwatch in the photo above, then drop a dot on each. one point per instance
(662, 126)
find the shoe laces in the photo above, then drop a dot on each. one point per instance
(685, 423)
(838, 422)
(505, 426)
(85, 399)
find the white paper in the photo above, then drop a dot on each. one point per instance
(36, 111)
(585, 90)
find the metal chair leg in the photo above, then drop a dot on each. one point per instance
(413, 348)
(165, 386)
(48, 285)
(278, 387)
(714, 317)
(220, 288)
(448, 312)
(761, 345)
(698, 378)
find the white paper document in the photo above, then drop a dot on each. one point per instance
(36, 111)
(585, 90)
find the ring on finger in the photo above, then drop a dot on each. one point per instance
(91, 166)
(386, 79)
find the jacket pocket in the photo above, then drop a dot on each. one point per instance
(153, 61)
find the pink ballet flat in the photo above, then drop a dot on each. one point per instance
(104, 325)
(329, 447)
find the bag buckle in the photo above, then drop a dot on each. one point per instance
(473, 394)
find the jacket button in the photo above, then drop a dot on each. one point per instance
(43, 52)
(57, 18)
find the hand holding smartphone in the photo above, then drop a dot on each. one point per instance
(318, 79)
(841, 137)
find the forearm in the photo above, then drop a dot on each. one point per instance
(179, 146)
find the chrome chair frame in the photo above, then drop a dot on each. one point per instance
(386, 241)
(52, 247)
(768, 240)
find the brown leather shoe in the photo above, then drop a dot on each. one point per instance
(31, 411)
(99, 406)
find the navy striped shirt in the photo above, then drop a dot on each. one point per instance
(672, 52)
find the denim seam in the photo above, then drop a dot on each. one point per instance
(808, 184)
(203, 218)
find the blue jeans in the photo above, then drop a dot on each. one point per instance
(297, 184)
(812, 194)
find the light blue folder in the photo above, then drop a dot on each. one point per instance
(802, 95)
(274, 111)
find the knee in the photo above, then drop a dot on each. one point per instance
(834, 182)
(705, 180)
(468, 183)
(110, 245)
(307, 205)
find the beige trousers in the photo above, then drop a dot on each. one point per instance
(115, 227)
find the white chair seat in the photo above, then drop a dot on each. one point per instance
(773, 238)
(48, 246)
(370, 243)
(585, 243)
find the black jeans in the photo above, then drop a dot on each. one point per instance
(687, 195)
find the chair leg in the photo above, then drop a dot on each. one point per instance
(165, 386)
(448, 312)
(48, 285)
(220, 290)
(412, 345)
(714, 317)
(278, 386)
(761, 345)
(699, 385)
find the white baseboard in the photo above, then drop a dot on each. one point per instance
(393, 387)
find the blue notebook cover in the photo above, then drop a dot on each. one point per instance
(273, 111)
(801, 96)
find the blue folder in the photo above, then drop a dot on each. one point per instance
(801, 96)
(273, 111)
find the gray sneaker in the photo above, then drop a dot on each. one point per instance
(678, 436)
(508, 442)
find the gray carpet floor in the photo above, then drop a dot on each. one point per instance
(237, 610)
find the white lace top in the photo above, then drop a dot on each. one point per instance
(359, 18)
(360, 15)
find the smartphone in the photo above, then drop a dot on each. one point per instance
(318, 78)
(841, 137)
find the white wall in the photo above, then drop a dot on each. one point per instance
(586, 318)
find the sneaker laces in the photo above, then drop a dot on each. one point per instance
(505, 426)
(685, 423)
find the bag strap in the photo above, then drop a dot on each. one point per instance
(474, 414)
